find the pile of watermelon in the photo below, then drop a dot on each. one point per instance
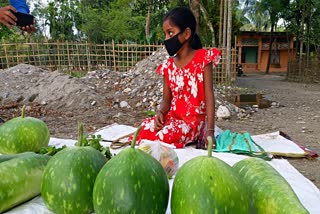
(81, 179)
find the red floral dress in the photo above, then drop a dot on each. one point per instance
(185, 121)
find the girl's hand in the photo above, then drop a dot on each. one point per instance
(210, 133)
(7, 17)
(159, 120)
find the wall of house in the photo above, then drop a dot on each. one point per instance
(282, 67)
(263, 54)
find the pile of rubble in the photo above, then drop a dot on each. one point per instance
(139, 89)
(26, 84)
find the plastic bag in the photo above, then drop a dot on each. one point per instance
(162, 152)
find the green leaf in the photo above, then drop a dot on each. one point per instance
(150, 113)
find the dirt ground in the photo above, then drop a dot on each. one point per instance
(105, 97)
(298, 115)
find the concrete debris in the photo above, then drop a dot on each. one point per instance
(223, 112)
(139, 88)
(124, 104)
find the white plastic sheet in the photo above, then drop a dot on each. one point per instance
(306, 191)
(277, 144)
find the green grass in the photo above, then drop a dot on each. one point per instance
(77, 74)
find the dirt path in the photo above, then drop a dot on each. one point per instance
(298, 116)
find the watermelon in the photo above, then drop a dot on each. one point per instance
(23, 134)
(268, 191)
(206, 184)
(68, 179)
(20, 178)
(4, 158)
(131, 182)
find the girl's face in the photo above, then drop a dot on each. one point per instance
(169, 30)
(175, 39)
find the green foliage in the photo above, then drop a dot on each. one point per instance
(117, 23)
(150, 113)
(94, 142)
(51, 150)
(125, 21)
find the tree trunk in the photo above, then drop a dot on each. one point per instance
(220, 23)
(195, 7)
(301, 40)
(208, 22)
(229, 35)
(148, 20)
(289, 69)
(225, 13)
(270, 48)
(308, 25)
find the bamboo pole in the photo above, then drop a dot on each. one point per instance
(87, 55)
(68, 54)
(114, 56)
(5, 53)
(128, 62)
(58, 55)
(28, 53)
(133, 57)
(17, 55)
(48, 63)
(105, 54)
(79, 63)
(39, 56)
(96, 62)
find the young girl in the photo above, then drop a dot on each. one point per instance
(187, 111)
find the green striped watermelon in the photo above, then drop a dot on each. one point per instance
(131, 182)
(68, 179)
(23, 134)
(4, 158)
(20, 178)
(269, 192)
(206, 184)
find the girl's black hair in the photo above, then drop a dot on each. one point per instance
(182, 17)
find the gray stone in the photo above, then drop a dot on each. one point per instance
(223, 112)
(124, 104)
(127, 90)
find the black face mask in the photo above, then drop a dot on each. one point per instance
(173, 44)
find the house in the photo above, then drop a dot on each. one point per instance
(253, 51)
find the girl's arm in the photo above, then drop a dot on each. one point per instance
(164, 106)
(210, 102)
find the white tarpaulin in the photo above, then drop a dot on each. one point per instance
(306, 191)
(276, 144)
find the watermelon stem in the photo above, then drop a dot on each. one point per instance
(23, 111)
(80, 134)
(210, 143)
(133, 143)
